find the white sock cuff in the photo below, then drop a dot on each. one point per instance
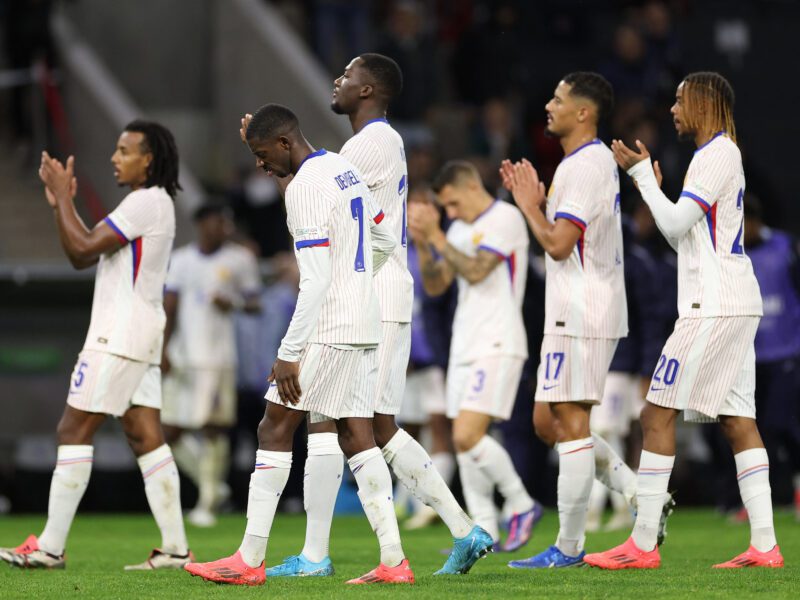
(156, 459)
(358, 460)
(68, 455)
(477, 451)
(650, 462)
(269, 459)
(324, 444)
(397, 443)
(748, 462)
(575, 446)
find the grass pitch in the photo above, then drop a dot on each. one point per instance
(100, 545)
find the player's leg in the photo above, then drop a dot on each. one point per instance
(220, 390)
(322, 479)
(575, 474)
(75, 433)
(184, 410)
(142, 426)
(375, 492)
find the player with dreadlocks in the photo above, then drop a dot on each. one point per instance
(117, 372)
(707, 367)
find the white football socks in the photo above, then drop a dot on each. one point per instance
(752, 472)
(163, 489)
(321, 482)
(187, 450)
(576, 470)
(415, 469)
(375, 491)
(266, 486)
(651, 492)
(70, 478)
(207, 473)
(478, 491)
(611, 469)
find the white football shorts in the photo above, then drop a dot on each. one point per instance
(424, 396)
(708, 368)
(487, 385)
(335, 383)
(573, 369)
(194, 398)
(393, 353)
(110, 384)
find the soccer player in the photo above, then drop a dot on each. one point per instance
(206, 282)
(707, 366)
(326, 363)
(117, 372)
(363, 93)
(585, 304)
(486, 251)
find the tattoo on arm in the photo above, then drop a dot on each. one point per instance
(473, 269)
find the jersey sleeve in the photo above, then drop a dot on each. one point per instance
(308, 216)
(134, 216)
(706, 177)
(580, 204)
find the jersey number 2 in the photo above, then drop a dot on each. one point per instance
(357, 210)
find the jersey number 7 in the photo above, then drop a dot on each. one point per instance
(357, 210)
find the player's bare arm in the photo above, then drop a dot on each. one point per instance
(82, 245)
(437, 275)
(287, 377)
(171, 312)
(557, 239)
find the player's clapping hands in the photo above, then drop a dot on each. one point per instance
(59, 181)
(627, 158)
(286, 375)
(423, 222)
(522, 180)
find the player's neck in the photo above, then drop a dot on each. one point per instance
(364, 115)
(481, 207)
(299, 152)
(703, 137)
(207, 248)
(576, 139)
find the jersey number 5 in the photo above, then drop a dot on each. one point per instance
(357, 210)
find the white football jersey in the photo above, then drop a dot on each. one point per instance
(488, 319)
(585, 293)
(128, 305)
(715, 276)
(328, 204)
(204, 335)
(377, 151)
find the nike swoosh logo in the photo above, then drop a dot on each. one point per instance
(655, 389)
(550, 387)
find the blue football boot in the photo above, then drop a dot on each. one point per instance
(300, 566)
(466, 552)
(552, 558)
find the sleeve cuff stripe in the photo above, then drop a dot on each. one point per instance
(493, 251)
(577, 221)
(703, 204)
(117, 230)
(322, 242)
(379, 217)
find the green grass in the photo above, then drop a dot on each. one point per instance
(100, 545)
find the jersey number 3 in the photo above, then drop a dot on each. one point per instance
(357, 210)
